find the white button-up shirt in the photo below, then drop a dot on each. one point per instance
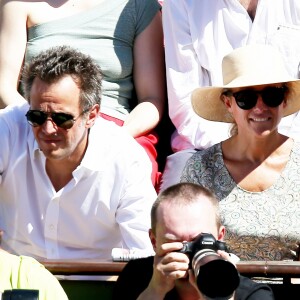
(198, 34)
(106, 204)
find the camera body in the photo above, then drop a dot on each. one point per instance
(202, 242)
(216, 277)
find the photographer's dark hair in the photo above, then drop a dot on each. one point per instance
(53, 64)
(184, 194)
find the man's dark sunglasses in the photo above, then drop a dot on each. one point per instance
(38, 117)
(247, 99)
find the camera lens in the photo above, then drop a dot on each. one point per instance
(216, 277)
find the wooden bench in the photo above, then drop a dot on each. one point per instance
(78, 290)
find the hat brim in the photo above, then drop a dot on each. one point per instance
(207, 103)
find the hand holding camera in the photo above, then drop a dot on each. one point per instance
(216, 277)
(169, 265)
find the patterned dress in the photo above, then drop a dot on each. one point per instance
(260, 225)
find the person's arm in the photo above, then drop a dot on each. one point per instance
(13, 37)
(6, 134)
(149, 79)
(174, 167)
(185, 73)
(136, 196)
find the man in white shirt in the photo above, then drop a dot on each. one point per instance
(198, 34)
(72, 185)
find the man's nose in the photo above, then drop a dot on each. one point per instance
(49, 127)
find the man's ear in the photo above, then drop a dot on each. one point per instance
(221, 233)
(152, 239)
(93, 115)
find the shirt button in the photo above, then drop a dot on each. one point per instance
(51, 227)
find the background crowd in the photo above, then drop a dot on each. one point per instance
(99, 98)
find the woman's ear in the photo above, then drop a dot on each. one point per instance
(227, 100)
(93, 115)
(284, 103)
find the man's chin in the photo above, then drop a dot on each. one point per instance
(52, 154)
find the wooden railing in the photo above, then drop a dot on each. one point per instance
(284, 269)
(289, 269)
(83, 267)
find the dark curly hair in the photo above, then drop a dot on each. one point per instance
(53, 64)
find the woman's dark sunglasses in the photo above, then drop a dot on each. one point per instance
(271, 96)
(38, 117)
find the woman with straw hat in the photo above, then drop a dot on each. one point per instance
(254, 173)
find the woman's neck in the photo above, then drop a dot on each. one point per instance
(256, 166)
(255, 150)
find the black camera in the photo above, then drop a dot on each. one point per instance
(216, 277)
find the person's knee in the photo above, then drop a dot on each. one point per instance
(175, 164)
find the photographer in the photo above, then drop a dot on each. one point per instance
(183, 212)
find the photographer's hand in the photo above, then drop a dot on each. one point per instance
(169, 265)
(229, 256)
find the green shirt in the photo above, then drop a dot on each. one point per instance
(23, 272)
(107, 33)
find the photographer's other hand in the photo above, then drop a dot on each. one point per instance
(229, 256)
(169, 265)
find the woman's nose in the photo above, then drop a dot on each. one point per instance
(260, 103)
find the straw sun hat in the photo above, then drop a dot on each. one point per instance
(246, 66)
